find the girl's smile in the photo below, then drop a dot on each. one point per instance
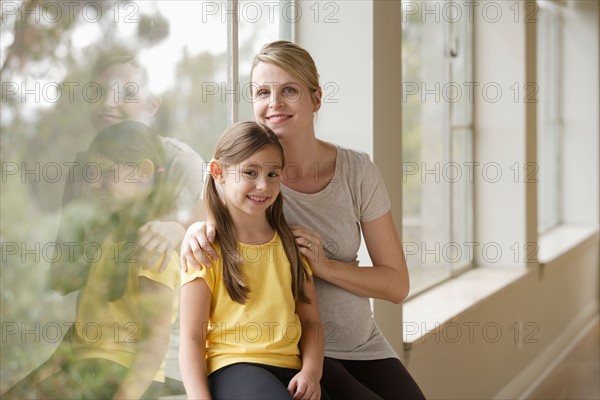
(250, 187)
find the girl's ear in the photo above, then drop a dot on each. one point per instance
(154, 104)
(317, 96)
(146, 170)
(216, 170)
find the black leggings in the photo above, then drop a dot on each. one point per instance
(250, 381)
(369, 379)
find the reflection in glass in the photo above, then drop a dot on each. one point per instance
(49, 94)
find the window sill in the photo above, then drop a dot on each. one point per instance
(563, 239)
(427, 313)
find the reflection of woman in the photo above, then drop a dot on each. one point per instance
(333, 195)
(124, 313)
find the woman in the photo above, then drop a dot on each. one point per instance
(331, 194)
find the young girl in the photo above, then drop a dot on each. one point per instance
(250, 326)
(124, 313)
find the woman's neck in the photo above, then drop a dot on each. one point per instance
(301, 151)
(310, 164)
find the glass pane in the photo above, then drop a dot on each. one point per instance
(459, 171)
(459, 93)
(437, 141)
(50, 118)
(260, 22)
(460, 175)
(549, 117)
(424, 149)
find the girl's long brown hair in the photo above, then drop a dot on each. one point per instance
(126, 143)
(238, 143)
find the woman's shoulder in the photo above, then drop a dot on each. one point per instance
(353, 161)
(350, 154)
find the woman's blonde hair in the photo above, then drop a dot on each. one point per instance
(236, 144)
(291, 58)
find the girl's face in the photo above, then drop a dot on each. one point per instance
(251, 186)
(119, 185)
(282, 102)
(124, 97)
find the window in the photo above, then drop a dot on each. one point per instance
(550, 130)
(47, 51)
(436, 140)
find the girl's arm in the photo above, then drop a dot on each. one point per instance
(194, 313)
(156, 306)
(306, 383)
(387, 280)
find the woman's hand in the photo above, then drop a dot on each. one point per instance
(159, 239)
(195, 248)
(311, 247)
(387, 280)
(305, 386)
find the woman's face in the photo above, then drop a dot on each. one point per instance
(282, 102)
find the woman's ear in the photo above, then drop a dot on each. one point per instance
(146, 170)
(216, 170)
(317, 96)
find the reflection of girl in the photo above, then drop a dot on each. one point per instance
(250, 320)
(126, 96)
(125, 312)
(333, 195)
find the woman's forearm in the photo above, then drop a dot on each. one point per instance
(380, 281)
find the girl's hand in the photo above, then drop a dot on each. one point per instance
(305, 386)
(195, 248)
(159, 239)
(311, 247)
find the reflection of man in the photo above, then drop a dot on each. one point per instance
(125, 96)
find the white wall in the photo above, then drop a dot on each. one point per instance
(340, 37)
(500, 134)
(581, 120)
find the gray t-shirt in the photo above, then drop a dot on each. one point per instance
(355, 194)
